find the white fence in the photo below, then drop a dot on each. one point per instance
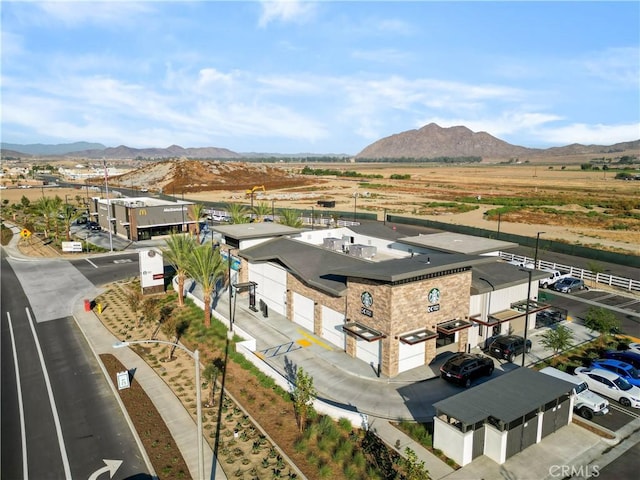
(582, 273)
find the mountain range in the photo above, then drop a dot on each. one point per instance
(430, 141)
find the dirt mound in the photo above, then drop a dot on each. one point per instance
(189, 176)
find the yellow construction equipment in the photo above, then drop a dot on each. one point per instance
(254, 189)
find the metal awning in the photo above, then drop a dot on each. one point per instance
(518, 310)
(534, 306)
(453, 326)
(244, 286)
(362, 331)
(418, 336)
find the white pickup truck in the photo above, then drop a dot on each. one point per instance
(554, 276)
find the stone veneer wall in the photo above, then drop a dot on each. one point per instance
(401, 309)
(320, 299)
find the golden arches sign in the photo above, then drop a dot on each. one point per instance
(142, 211)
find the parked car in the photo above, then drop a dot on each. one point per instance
(567, 285)
(622, 369)
(554, 276)
(82, 220)
(634, 347)
(610, 385)
(627, 356)
(94, 226)
(462, 368)
(507, 347)
(587, 403)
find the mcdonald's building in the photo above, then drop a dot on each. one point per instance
(142, 218)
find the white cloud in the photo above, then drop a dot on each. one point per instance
(585, 134)
(117, 12)
(616, 65)
(286, 11)
(383, 56)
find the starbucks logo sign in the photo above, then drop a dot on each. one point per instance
(434, 296)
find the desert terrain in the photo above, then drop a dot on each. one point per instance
(569, 204)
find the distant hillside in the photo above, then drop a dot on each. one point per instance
(43, 149)
(174, 151)
(432, 141)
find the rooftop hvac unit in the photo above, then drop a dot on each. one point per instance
(332, 243)
(362, 251)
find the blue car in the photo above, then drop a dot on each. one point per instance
(624, 370)
(626, 356)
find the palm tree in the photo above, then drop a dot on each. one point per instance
(48, 209)
(237, 213)
(56, 204)
(179, 250)
(206, 266)
(196, 213)
(290, 218)
(261, 210)
(69, 214)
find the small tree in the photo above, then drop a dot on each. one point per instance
(413, 469)
(196, 213)
(163, 315)
(134, 298)
(596, 269)
(210, 373)
(174, 327)
(557, 339)
(238, 213)
(178, 252)
(261, 210)
(602, 321)
(150, 308)
(303, 394)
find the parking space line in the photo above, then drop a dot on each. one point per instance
(89, 261)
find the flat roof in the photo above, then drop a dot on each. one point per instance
(135, 202)
(452, 242)
(500, 274)
(506, 398)
(246, 231)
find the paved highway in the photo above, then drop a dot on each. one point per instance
(59, 416)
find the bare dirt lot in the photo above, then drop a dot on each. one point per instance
(575, 206)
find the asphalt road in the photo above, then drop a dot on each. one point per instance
(59, 416)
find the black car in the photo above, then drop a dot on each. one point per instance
(626, 356)
(462, 368)
(94, 226)
(507, 347)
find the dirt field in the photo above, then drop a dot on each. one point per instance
(580, 207)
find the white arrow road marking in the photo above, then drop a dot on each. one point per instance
(52, 402)
(111, 466)
(23, 434)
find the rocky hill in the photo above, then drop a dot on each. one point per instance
(174, 151)
(432, 141)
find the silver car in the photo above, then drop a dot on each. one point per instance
(566, 285)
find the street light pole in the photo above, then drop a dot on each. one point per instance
(535, 258)
(230, 287)
(355, 201)
(196, 358)
(312, 220)
(526, 317)
(106, 192)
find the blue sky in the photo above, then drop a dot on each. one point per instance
(320, 77)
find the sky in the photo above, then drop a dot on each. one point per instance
(317, 77)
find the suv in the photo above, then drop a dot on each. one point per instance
(461, 368)
(587, 403)
(507, 347)
(610, 385)
(622, 369)
(567, 284)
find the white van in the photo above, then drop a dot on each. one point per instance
(587, 403)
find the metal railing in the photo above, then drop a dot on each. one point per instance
(582, 273)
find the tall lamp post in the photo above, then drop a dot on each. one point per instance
(526, 317)
(312, 220)
(355, 201)
(106, 192)
(196, 358)
(535, 257)
(230, 287)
